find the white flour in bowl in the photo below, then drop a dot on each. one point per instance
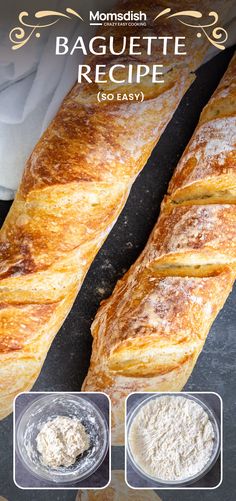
(61, 440)
(171, 438)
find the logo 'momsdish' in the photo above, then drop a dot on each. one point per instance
(117, 17)
(21, 34)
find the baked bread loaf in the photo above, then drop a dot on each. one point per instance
(74, 187)
(149, 333)
(116, 491)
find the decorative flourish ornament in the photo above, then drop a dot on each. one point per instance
(218, 35)
(19, 35)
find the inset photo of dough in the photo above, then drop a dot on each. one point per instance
(173, 440)
(61, 440)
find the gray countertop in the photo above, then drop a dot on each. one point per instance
(68, 359)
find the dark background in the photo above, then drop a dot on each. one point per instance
(68, 359)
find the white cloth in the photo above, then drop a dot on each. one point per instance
(33, 82)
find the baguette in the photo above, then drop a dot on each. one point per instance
(148, 335)
(74, 187)
(116, 490)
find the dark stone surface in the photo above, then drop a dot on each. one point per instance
(68, 358)
(99, 478)
(211, 479)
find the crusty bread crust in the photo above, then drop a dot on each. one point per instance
(74, 187)
(118, 490)
(149, 333)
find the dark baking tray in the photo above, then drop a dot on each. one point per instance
(67, 362)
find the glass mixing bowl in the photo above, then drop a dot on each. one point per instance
(47, 407)
(183, 482)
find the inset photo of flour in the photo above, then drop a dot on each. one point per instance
(173, 440)
(62, 440)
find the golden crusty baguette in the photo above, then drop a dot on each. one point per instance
(148, 336)
(74, 187)
(149, 333)
(118, 490)
(207, 171)
(196, 235)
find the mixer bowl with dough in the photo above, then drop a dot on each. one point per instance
(46, 410)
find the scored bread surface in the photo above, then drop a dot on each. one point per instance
(74, 186)
(148, 335)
